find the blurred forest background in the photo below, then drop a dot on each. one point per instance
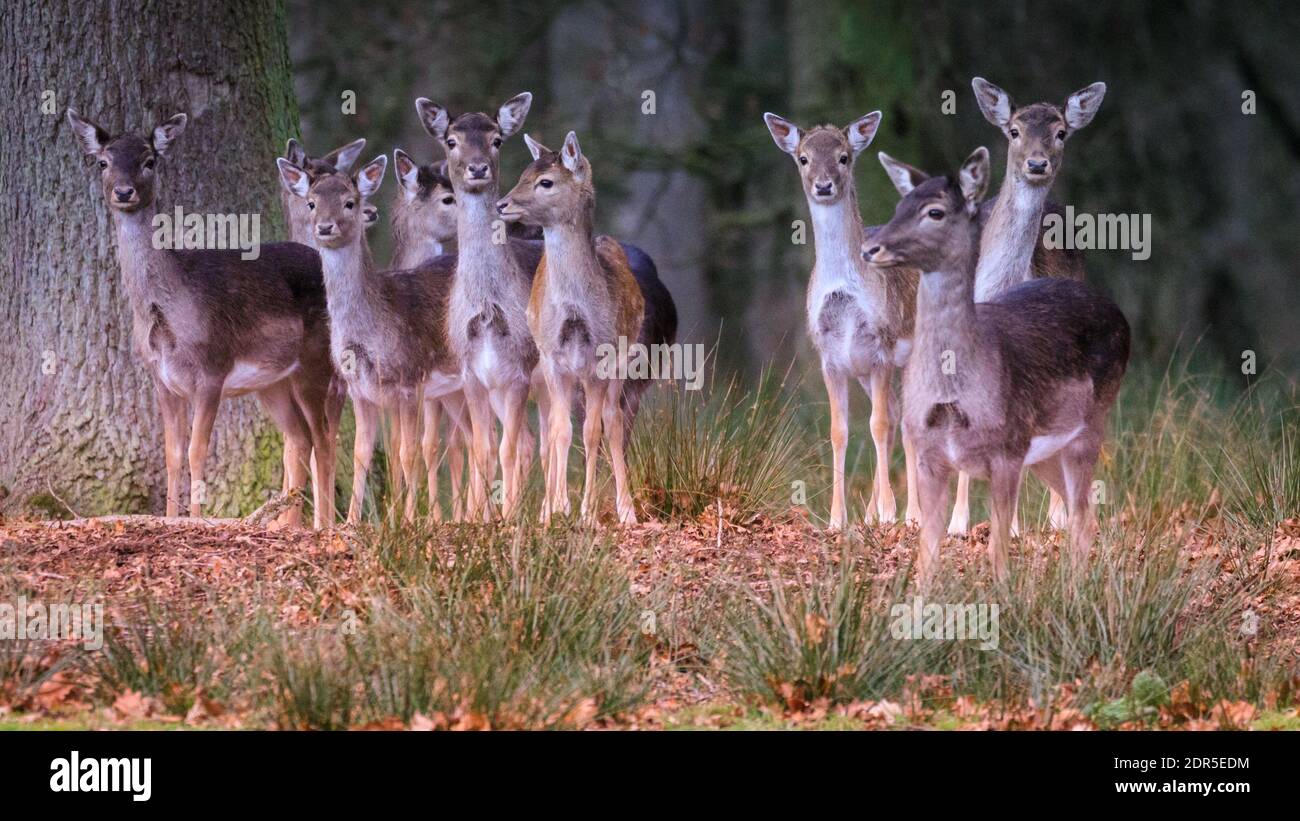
(700, 185)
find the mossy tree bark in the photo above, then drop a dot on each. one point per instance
(78, 418)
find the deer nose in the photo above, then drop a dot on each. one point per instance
(123, 194)
(870, 252)
(1037, 167)
(502, 205)
(824, 188)
(477, 171)
(325, 229)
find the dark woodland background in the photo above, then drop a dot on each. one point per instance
(699, 183)
(702, 187)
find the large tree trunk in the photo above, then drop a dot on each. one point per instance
(79, 424)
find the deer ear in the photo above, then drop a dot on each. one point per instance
(1082, 105)
(993, 101)
(92, 137)
(862, 131)
(974, 177)
(433, 117)
(294, 178)
(904, 177)
(344, 157)
(371, 176)
(165, 134)
(571, 154)
(294, 152)
(408, 173)
(512, 113)
(534, 147)
(784, 133)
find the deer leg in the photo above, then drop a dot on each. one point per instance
(1051, 473)
(559, 438)
(913, 503)
(313, 404)
(458, 434)
(279, 402)
(204, 404)
(882, 428)
(393, 453)
(363, 450)
(591, 425)
(542, 395)
(513, 419)
(1004, 486)
(481, 463)
(837, 390)
(616, 439)
(1079, 464)
(932, 483)
(959, 525)
(1057, 512)
(429, 446)
(408, 412)
(173, 413)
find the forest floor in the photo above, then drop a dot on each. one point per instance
(181, 598)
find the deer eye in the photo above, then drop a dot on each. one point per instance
(496, 143)
(451, 143)
(844, 159)
(448, 200)
(1060, 135)
(311, 204)
(149, 163)
(935, 213)
(545, 183)
(803, 160)
(349, 204)
(1015, 133)
(103, 163)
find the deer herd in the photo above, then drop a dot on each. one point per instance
(1009, 361)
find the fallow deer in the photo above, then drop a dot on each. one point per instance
(584, 295)
(1034, 372)
(386, 332)
(486, 323)
(1012, 223)
(859, 318)
(210, 325)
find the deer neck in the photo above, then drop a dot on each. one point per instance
(947, 337)
(480, 262)
(1009, 237)
(411, 246)
(572, 267)
(146, 276)
(352, 294)
(837, 238)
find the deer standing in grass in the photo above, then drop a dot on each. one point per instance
(486, 322)
(210, 325)
(1036, 369)
(386, 332)
(859, 318)
(1010, 248)
(584, 295)
(424, 228)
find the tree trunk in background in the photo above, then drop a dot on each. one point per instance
(78, 418)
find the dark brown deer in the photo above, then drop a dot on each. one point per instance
(1027, 379)
(209, 324)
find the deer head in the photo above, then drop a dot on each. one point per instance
(127, 162)
(824, 155)
(472, 142)
(936, 225)
(336, 200)
(554, 187)
(427, 195)
(1036, 134)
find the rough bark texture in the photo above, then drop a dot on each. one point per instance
(78, 418)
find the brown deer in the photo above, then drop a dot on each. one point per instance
(1011, 223)
(1034, 372)
(584, 295)
(486, 323)
(859, 318)
(386, 332)
(209, 324)
(424, 227)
